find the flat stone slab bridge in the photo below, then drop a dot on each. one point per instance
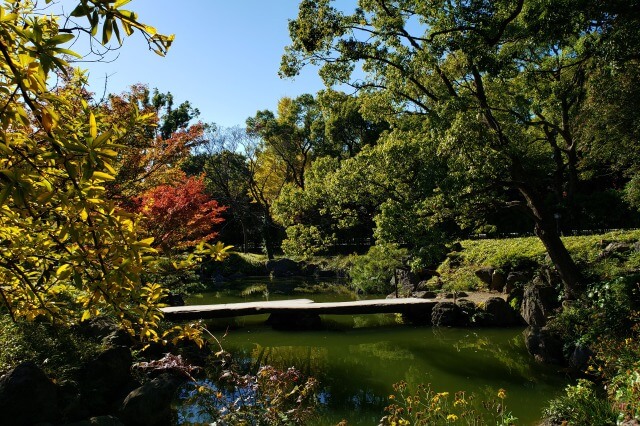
(304, 312)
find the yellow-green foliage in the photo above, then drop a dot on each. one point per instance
(67, 252)
(458, 271)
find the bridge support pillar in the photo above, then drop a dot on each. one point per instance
(294, 321)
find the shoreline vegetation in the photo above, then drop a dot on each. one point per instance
(465, 117)
(596, 337)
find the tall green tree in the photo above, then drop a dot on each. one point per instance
(498, 84)
(291, 137)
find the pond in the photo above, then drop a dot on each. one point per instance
(358, 358)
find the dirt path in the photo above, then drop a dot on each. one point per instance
(476, 297)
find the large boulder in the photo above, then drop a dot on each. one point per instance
(467, 312)
(485, 275)
(105, 378)
(497, 312)
(498, 280)
(513, 279)
(538, 303)
(544, 345)
(445, 314)
(150, 404)
(27, 397)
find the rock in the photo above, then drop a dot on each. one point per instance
(538, 303)
(150, 404)
(456, 246)
(544, 345)
(98, 421)
(513, 279)
(423, 294)
(97, 327)
(423, 286)
(282, 267)
(498, 313)
(615, 249)
(405, 281)
(467, 310)
(308, 269)
(117, 338)
(105, 378)
(27, 397)
(580, 357)
(485, 275)
(498, 280)
(445, 314)
(551, 276)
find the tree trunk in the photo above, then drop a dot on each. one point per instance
(546, 230)
(266, 235)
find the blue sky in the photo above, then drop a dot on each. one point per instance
(224, 60)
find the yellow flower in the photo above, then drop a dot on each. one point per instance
(459, 402)
(452, 417)
(392, 397)
(502, 394)
(443, 394)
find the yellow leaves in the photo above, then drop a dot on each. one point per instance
(102, 176)
(217, 252)
(93, 127)
(64, 271)
(47, 121)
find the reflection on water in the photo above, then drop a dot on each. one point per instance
(358, 358)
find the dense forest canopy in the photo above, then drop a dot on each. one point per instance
(504, 94)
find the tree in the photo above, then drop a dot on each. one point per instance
(180, 215)
(292, 136)
(67, 252)
(499, 86)
(158, 138)
(227, 178)
(386, 191)
(346, 130)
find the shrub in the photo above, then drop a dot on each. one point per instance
(580, 406)
(305, 241)
(57, 349)
(372, 272)
(427, 407)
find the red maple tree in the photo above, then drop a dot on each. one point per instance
(180, 215)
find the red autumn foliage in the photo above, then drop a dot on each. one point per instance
(180, 215)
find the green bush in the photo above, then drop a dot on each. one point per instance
(305, 241)
(372, 272)
(248, 264)
(580, 406)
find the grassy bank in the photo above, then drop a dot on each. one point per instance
(528, 253)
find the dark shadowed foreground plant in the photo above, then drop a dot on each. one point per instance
(427, 407)
(271, 397)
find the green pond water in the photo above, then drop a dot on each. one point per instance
(358, 358)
